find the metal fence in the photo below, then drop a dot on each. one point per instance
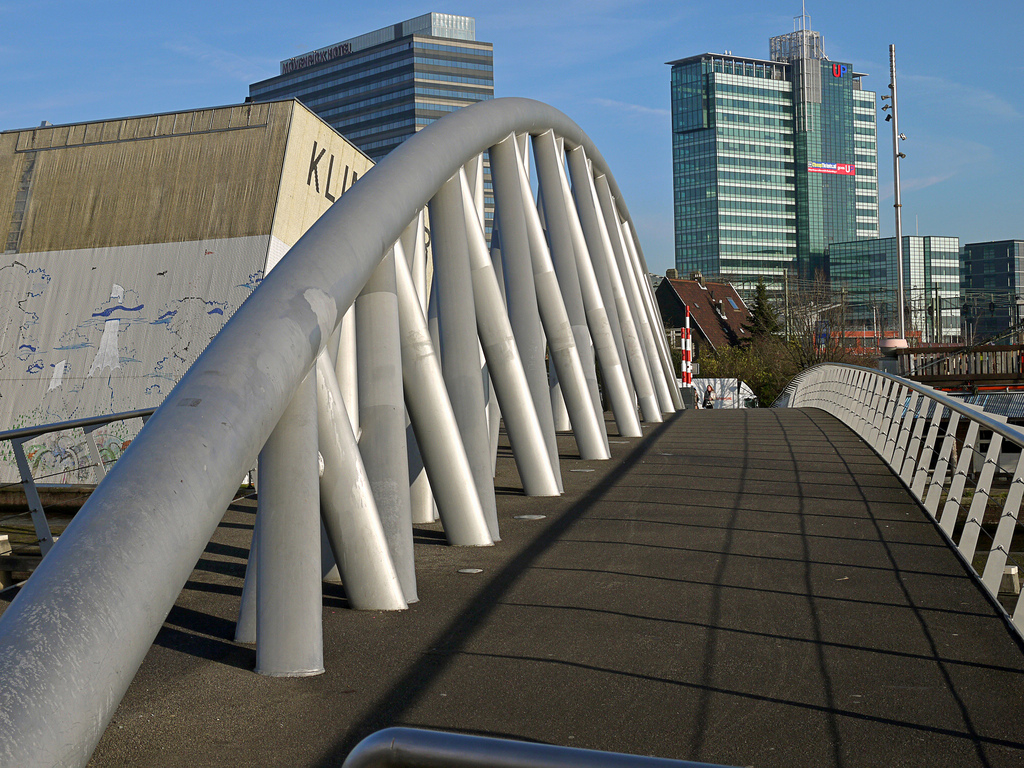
(965, 466)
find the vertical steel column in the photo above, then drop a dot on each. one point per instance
(572, 380)
(613, 376)
(433, 419)
(520, 291)
(638, 369)
(421, 502)
(559, 412)
(508, 380)
(564, 258)
(600, 248)
(653, 313)
(382, 416)
(245, 625)
(347, 367)
(289, 615)
(640, 321)
(460, 348)
(348, 508)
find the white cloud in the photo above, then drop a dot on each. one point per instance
(957, 95)
(238, 68)
(638, 108)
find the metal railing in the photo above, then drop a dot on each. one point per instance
(957, 461)
(418, 748)
(88, 425)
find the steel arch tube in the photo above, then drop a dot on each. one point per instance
(520, 291)
(509, 389)
(72, 640)
(348, 509)
(433, 420)
(563, 258)
(460, 347)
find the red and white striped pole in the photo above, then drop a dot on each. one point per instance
(687, 372)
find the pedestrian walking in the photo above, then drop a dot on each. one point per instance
(709, 397)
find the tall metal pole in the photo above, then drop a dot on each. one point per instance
(896, 193)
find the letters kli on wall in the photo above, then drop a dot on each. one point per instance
(313, 177)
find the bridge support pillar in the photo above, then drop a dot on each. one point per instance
(289, 615)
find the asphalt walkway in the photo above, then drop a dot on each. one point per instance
(737, 587)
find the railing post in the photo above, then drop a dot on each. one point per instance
(1002, 541)
(35, 504)
(972, 526)
(909, 418)
(951, 509)
(927, 452)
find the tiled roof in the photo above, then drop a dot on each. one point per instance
(716, 308)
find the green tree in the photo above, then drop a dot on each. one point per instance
(764, 321)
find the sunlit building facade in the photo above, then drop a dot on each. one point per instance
(380, 88)
(865, 270)
(773, 160)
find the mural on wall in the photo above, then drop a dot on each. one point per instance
(105, 331)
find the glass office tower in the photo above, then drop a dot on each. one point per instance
(773, 160)
(379, 88)
(866, 269)
(992, 281)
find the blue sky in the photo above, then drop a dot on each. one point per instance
(602, 62)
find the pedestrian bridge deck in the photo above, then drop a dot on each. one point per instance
(738, 587)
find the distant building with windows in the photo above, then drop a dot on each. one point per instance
(379, 88)
(773, 161)
(866, 271)
(717, 313)
(992, 281)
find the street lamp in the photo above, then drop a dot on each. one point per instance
(891, 345)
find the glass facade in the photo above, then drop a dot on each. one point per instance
(772, 161)
(992, 282)
(866, 269)
(380, 88)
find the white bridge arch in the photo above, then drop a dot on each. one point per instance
(565, 279)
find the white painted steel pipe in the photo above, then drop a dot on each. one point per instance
(636, 305)
(382, 416)
(561, 339)
(289, 603)
(520, 291)
(460, 348)
(430, 410)
(564, 257)
(612, 374)
(508, 378)
(101, 595)
(653, 313)
(349, 511)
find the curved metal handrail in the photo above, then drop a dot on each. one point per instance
(421, 748)
(74, 637)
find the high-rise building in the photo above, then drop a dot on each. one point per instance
(381, 87)
(992, 281)
(773, 160)
(865, 270)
